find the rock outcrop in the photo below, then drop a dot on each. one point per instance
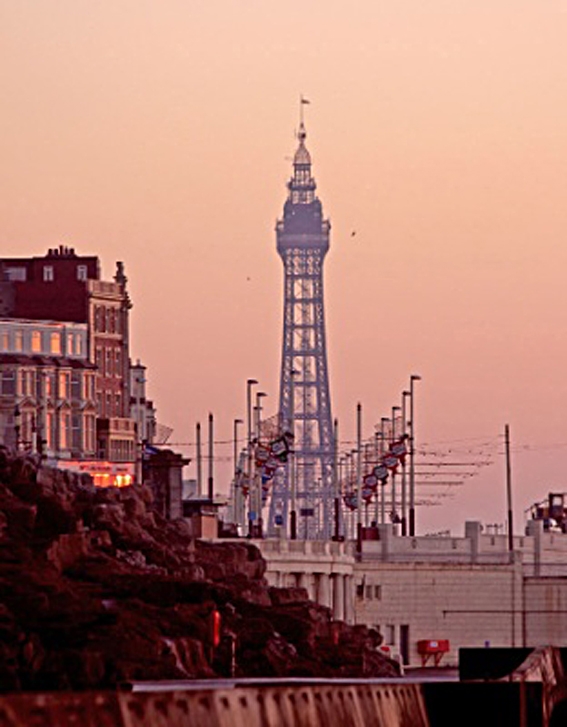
(96, 588)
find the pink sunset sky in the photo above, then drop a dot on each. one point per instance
(159, 132)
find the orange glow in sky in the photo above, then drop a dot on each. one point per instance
(158, 132)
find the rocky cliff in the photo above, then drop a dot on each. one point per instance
(96, 589)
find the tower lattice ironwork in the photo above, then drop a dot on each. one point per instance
(305, 405)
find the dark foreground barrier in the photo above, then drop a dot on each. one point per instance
(533, 695)
(484, 704)
(386, 705)
(501, 687)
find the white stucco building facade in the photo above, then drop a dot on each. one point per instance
(469, 591)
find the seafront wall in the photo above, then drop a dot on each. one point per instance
(387, 705)
(533, 695)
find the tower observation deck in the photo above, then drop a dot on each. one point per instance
(304, 487)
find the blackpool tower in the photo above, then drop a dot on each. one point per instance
(302, 493)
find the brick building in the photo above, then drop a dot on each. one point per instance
(67, 288)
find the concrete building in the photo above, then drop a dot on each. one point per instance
(467, 591)
(325, 568)
(163, 473)
(142, 410)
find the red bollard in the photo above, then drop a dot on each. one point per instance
(216, 628)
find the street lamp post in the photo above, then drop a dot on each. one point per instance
(395, 410)
(210, 485)
(249, 384)
(236, 487)
(359, 477)
(349, 491)
(383, 423)
(336, 480)
(257, 476)
(413, 379)
(377, 460)
(199, 462)
(405, 394)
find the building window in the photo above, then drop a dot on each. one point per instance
(64, 430)
(118, 362)
(109, 362)
(368, 593)
(55, 345)
(378, 593)
(117, 404)
(19, 341)
(78, 345)
(109, 405)
(64, 385)
(48, 275)
(49, 421)
(70, 350)
(8, 382)
(89, 433)
(88, 392)
(5, 341)
(26, 387)
(36, 341)
(76, 386)
(76, 431)
(391, 634)
(81, 272)
(16, 274)
(99, 360)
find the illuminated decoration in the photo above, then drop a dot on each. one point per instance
(399, 448)
(391, 461)
(381, 472)
(262, 454)
(104, 474)
(368, 493)
(280, 448)
(371, 481)
(350, 500)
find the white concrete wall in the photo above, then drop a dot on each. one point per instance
(468, 590)
(324, 569)
(545, 611)
(466, 604)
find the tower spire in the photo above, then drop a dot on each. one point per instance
(302, 185)
(305, 405)
(302, 102)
